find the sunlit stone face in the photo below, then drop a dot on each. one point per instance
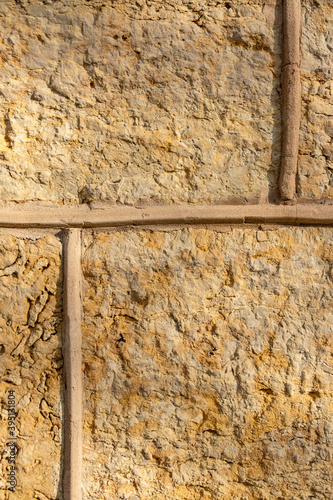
(316, 146)
(133, 102)
(31, 367)
(207, 363)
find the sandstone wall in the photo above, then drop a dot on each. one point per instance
(207, 350)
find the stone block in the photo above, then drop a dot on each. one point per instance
(136, 102)
(207, 364)
(31, 367)
(316, 135)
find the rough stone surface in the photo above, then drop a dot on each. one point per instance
(208, 364)
(136, 101)
(316, 138)
(31, 361)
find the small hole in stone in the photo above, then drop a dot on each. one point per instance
(124, 37)
(228, 5)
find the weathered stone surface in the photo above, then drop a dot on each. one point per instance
(316, 138)
(208, 364)
(31, 361)
(136, 101)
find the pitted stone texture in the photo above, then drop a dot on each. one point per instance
(31, 363)
(136, 101)
(316, 137)
(207, 362)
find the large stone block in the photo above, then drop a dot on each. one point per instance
(137, 101)
(207, 363)
(316, 138)
(31, 366)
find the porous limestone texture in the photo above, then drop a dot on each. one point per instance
(31, 365)
(316, 137)
(208, 364)
(136, 101)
